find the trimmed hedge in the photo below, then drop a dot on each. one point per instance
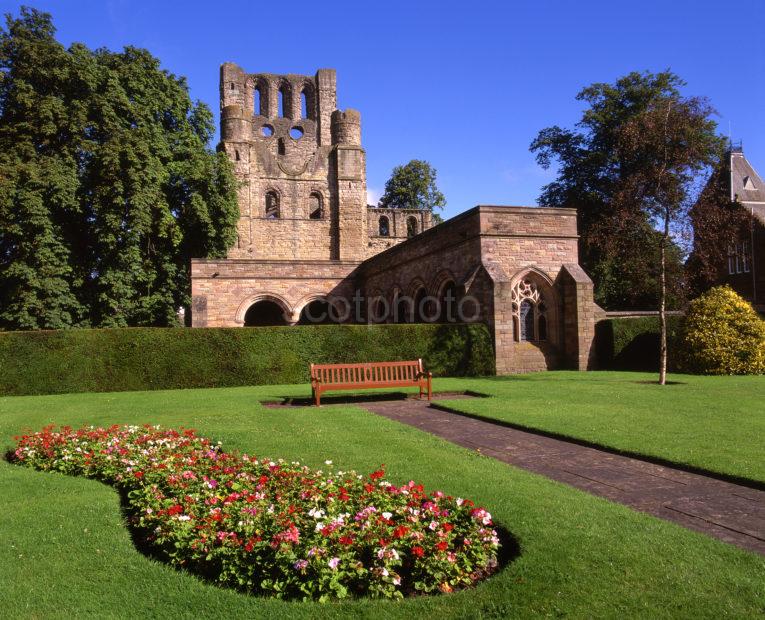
(107, 360)
(633, 343)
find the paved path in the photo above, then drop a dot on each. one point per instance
(730, 512)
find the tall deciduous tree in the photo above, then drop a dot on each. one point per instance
(619, 246)
(630, 169)
(674, 140)
(413, 186)
(107, 184)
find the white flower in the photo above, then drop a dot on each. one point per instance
(328, 462)
(387, 515)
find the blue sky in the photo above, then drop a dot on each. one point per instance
(464, 85)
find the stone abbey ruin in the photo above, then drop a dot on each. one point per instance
(310, 248)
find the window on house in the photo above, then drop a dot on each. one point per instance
(746, 256)
(731, 259)
(272, 206)
(384, 226)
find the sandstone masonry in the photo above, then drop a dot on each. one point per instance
(308, 242)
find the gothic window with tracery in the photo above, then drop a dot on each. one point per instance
(529, 312)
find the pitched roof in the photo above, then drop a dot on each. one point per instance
(746, 185)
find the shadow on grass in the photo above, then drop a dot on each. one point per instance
(646, 382)
(355, 399)
(656, 460)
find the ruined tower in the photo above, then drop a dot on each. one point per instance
(300, 164)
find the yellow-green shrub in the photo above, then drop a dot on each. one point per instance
(723, 335)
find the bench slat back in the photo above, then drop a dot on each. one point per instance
(367, 373)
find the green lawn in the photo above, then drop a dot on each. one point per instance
(712, 423)
(65, 552)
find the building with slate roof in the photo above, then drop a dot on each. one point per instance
(738, 186)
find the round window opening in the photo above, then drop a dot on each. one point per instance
(267, 131)
(296, 133)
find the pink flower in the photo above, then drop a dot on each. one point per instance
(333, 563)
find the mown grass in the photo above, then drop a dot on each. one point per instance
(711, 423)
(66, 552)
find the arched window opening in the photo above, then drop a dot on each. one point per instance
(233, 86)
(422, 309)
(384, 226)
(447, 302)
(272, 206)
(527, 320)
(529, 312)
(315, 209)
(280, 148)
(236, 154)
(284, 101)
(411, 226)
(257, 101)
(303, 105)
(264, 313)
(404, 310)
(317, 312)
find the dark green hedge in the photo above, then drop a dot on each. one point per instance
(633, 343)
(105, 360)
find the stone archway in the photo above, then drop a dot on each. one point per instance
(264, 313)
(263, 310)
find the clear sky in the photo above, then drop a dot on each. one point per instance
(465, 85)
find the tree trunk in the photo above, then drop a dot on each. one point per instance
(663, 304)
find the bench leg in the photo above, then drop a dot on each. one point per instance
(430, 389)
(317, 394)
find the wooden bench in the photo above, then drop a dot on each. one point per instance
(329, 377)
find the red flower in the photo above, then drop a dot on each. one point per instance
(448, 527)
(441, 546)
(368, 488)
(400, 531)
(175, 510)
(377, 474)
(138, 474)
(346, 540)
(418, 551)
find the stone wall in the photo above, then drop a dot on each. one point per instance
(305, 233)
(293, 149)
(486, 252)
(223, 290)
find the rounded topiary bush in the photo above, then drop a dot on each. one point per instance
(723, 335)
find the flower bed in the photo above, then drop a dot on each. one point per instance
(272, 527)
